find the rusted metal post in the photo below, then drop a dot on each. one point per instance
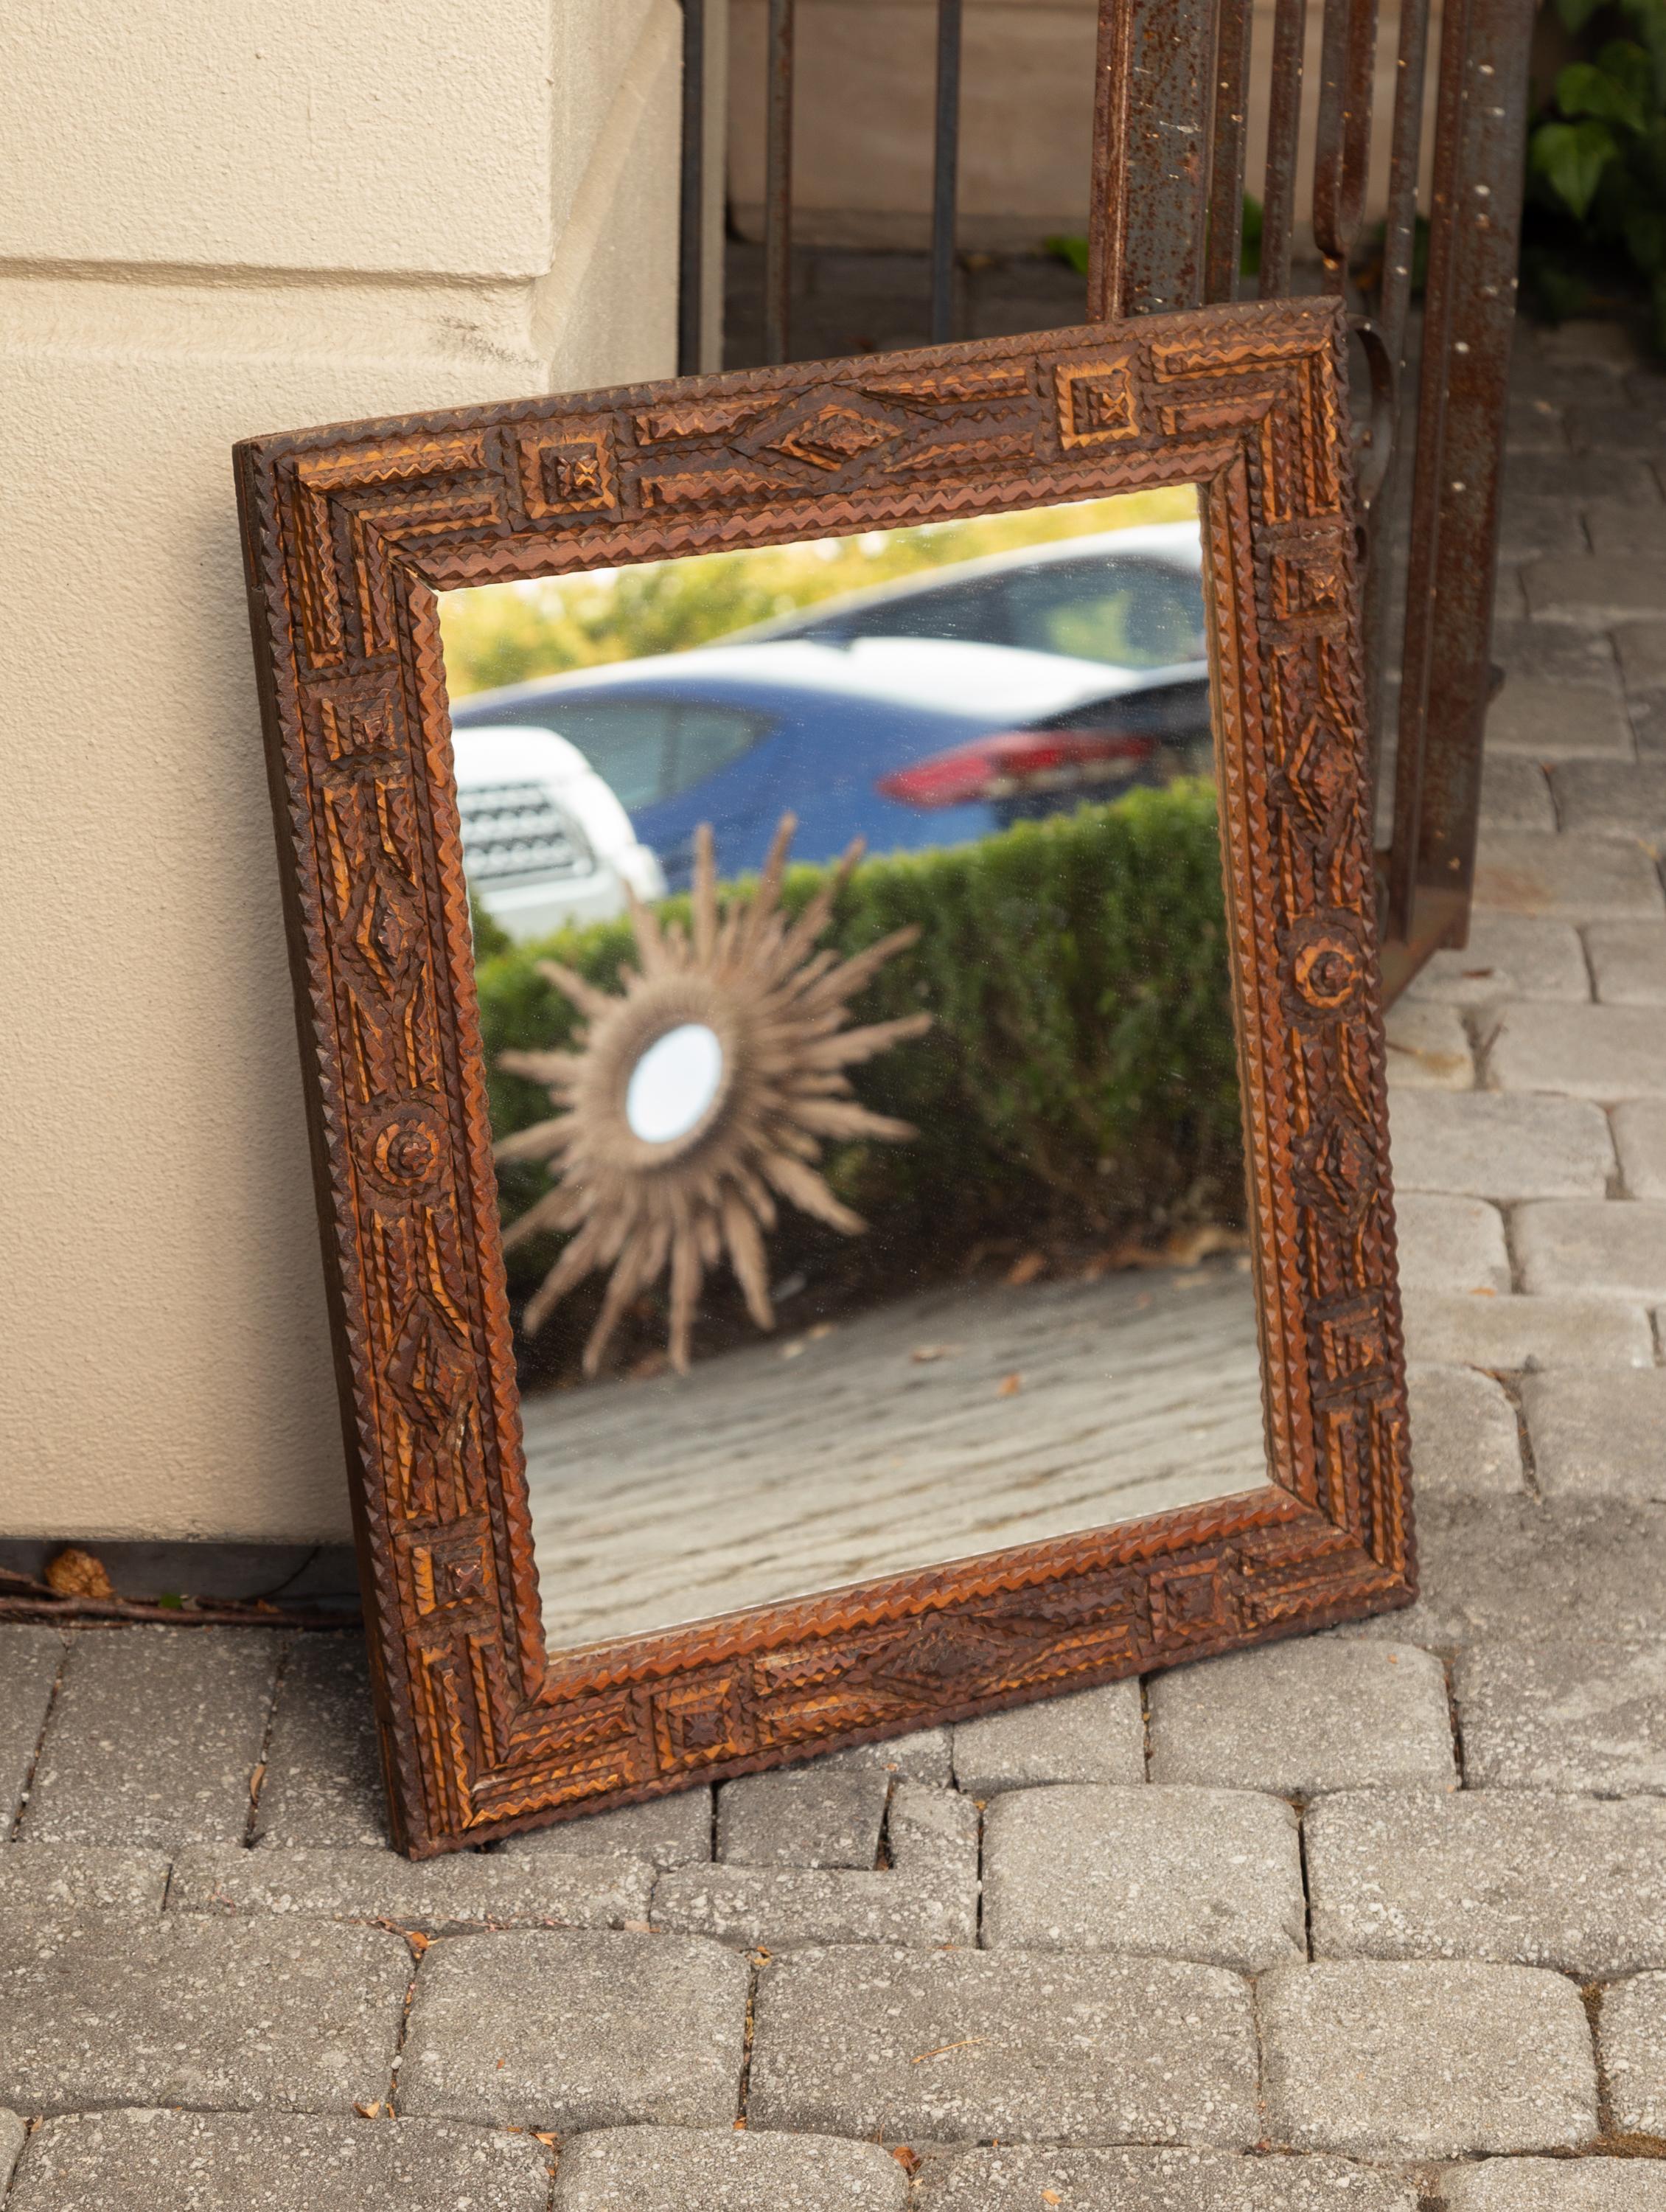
(945, 170)
(1446, 670)
(777, 185)
(691, 240)
(1148, 230)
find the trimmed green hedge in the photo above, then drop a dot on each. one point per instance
(1079, 1080)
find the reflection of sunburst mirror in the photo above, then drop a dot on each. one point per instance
(700, 1096)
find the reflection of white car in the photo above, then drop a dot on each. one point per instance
(544, 840)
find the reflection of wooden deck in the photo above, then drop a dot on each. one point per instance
(761, 1477)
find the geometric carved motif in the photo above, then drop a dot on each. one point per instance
(348, 533)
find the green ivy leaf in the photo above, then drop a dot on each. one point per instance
(1571, 157)
(1583, 89)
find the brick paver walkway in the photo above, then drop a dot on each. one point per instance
(1376, 1918)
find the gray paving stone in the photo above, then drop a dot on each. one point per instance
(1433, 2059)
(1614, 799)
(154, 1738)
(1534, 426)
(1557, 722)
(29, 1661)
(1567, 878)
(1549, 653)
(667, 1831)
(1565, 1714)
(1628, 959)
(162, 2162)
(50, 1880)
(1156, 1872)
(1641, 651)
(323, 1783)
(1598, 590)
(553, 2029)
(1505, 1334)
(1507, 957)
(1640, 1136)
(1515, 1876)
(1532, 528)
(922, 1755)
(1630, 425)
(118, 2010)
(1555, 2185)
(11, 2142)
(1599, 1436)
(1514, 793)
(952, 2046)
(1616, 528)
(1530, 1572)
(1500, 1145)
(929, 1895)
(803, 1816)
(1013, 2179)
(690, 2170)
(1612, 1248)
(1092, 1735)
(1632, 2036)
(1586, 1052)
(1464, 1440)
(1449, 1243)
(1305, 1717)
(1428, 1047)
(468, 1889)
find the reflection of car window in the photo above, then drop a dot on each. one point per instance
(1132, 614)
(706, 739)
(627, 741)
(973, 613)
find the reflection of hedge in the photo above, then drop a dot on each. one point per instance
(1079, 1077)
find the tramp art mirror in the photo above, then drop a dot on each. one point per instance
(833, 918)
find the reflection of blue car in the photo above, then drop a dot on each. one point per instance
(930, 734)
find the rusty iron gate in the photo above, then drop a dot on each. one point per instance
(1172, 101)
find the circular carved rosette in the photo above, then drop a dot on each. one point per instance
(1325, 968)
(404, 1152)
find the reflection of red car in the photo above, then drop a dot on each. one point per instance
(1135, 737)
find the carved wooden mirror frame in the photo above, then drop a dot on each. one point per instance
(349, 533)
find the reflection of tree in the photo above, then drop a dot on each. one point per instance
(505, 633)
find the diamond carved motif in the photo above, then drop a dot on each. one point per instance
(1319, 771)
(833, 436)
(381, 934)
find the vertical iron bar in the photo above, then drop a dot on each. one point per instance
(691, 235)
(1278, 210)
(777, 185)
(1342, 151)
(1480, 147)
(1147, 236)
(1225, 239)
(945, 170)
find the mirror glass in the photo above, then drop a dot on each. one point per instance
(853, 979)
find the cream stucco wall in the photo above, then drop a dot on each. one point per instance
(217, 220)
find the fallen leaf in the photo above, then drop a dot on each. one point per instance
(371, 2111)
(1482, 1291)
(965, 2044)
(1009, 1386)
(1188, 1248)
(75, 1573)
(1026, 1269)
(905, 2157)
(1052, 2196)
(539, 2135)
(639, 1927)
(255, 1781)
(923, 1354)
(418, 1942)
